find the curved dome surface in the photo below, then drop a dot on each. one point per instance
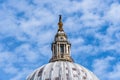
(62, 70)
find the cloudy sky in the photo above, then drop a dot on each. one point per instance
(27, 29)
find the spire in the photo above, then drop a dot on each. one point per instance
(60, 24)
(61, 46)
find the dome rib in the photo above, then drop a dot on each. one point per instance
(77, 71)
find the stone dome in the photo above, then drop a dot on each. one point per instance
(62, 70)
(61, 65)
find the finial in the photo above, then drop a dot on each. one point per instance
(60, 18)
(60, 24)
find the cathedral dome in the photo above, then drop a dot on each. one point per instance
(61, 65)
(62, 70)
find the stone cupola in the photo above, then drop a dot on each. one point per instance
(61, 46)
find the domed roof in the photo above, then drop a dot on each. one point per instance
(62, 70)
(61, 65)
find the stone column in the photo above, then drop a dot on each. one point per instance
(68, 49)
(53, 51)
(59, 49)
(64, 49)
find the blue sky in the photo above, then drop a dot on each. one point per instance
(27, 29)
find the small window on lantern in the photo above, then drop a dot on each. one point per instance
(61, 38)
(62, 48)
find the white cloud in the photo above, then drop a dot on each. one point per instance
(21, 74)
(7, 58)
(113, 13)
(77, 41)
(101, 67)
(26, 53)
(10, 69)
(92, 20)
(115, 74)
